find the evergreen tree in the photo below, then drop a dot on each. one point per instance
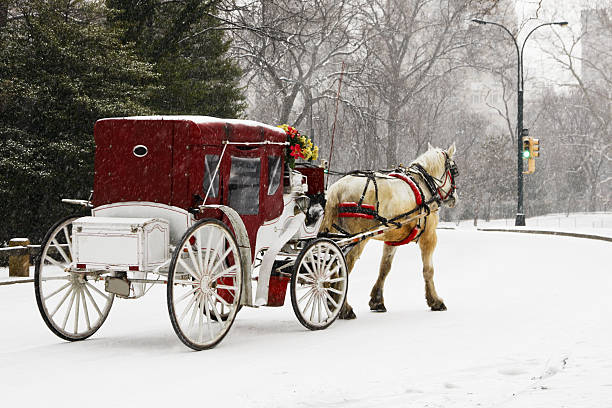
(61, 69)
(184, 42)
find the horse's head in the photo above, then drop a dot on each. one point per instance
(443, 170)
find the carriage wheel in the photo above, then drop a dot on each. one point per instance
(72, 304)
(319, 284)
(204, 284)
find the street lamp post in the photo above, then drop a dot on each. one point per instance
(520, 213)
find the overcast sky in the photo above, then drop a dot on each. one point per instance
(536, 61)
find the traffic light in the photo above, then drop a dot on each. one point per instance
(531, 150)
(526, 147)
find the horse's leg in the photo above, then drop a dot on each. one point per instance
(347, 311)
(377, 301)
(427, 242)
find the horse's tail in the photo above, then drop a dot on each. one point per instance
(331, 209)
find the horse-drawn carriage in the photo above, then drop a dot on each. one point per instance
(209, 208)
(206, 206)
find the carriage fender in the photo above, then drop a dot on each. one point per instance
(263, 284)
(244, 247)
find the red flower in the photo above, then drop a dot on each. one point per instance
(296, 151)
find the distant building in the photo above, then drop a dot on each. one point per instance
(482, 88)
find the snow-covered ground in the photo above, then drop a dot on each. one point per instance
(528, 325)
(597, 223)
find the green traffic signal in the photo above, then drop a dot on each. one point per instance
(525, 154)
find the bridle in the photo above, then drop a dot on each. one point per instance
(436, 185)
(450, 172)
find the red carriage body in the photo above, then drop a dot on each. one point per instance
(177, 158)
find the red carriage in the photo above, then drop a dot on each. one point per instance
(207, 207)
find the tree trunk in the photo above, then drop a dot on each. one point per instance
(3, 12)
(392, 136)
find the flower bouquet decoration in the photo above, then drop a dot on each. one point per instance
(300, 147)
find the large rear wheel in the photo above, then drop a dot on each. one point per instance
(204, 284)
(72, 304)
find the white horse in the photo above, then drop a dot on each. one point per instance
(430, 176)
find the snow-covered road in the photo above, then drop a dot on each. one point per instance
(529, 324)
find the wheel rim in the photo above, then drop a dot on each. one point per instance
(72, 304)
(204, 285)
(319, 284)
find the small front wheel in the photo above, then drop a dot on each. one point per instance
(204, 284)
(319, 284)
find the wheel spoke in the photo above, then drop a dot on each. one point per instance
(229, 272)
(70, 303)
(214, 308)
(61, 302)
(61, 251)
(208, 319)
(193, 260)
(232, 288)
(220, 261)
(194, 307)
(332, 301)
(188, 269)
(77, 310)
(310, 290)
(208, 252)
(54, 262)
(200, 320)
(220, 299)
(340, 279)
(331, 273)
(97, 290)
(184, 282)
(85, 310)
(329, 313)
(185, 296)
(199, 246)
(55, 292)
(93, 302)
(328, 265)
(319, 301)
(310, 272)
(334, 291)
(312, 311)
(68, 242)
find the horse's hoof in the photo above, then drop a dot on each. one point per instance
(438, 307)
(377, 307)
(347, 315)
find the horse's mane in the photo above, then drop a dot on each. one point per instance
(432, 161)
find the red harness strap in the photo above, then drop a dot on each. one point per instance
(418, 199)
(415, 189)
(406, 240)
(351, 209)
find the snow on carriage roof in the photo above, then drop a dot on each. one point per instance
(202, 120)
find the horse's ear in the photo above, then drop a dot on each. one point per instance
(451, 150)
(429, 146)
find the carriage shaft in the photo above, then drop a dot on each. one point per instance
(380, 230)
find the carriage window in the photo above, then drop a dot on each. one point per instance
(274, 174)
(244, 185)
(210, 165)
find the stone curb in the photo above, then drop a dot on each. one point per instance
(560, 233)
